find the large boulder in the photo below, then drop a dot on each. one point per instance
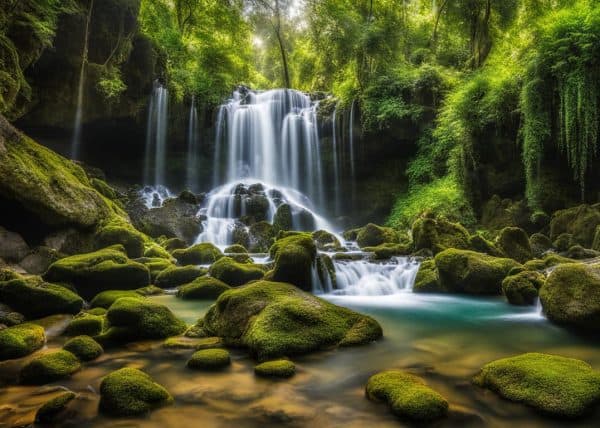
(554, 385)
(209, 359)
(427, 279)
(522, 288)
(178, 275)
(372, 235)
(49, 367)
(233, 273)
(274, 319)
(204, 288)
(571, 296)
(20, 340)
(106, 269)
(438, 235)
(131, 392)
(199, 254)
(498, 213)
(13, 247)
(38, 260)
(469, 272)
(84, 348)
(580, 222)
(294, 257)
(86, 324)
(261, 236)
(132, 240)
(107, 298)
(540, 244)
(514, 243)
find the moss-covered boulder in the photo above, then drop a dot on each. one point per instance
(35, 298)
(326, 241)
(178, 275)
(373, 235)
(261, 236)
(469, 272)
(407, 395)
(514, 243)
(233, 273)
(134, 319)
(131, 392)
(427, 279)
(199, 254)
(438, 235)
(51, 410)
(386, 251)
(540, 244)
(108, 297)
(275, 368)
(155, 251)
(106, 269)
(132, 240)
(173, 244)
(522, 288)
(49, 367)
(20, 340)
(577, 252)
(580, 222)
(83, 347)
(571, 296)
(294, 257)
(204, 288)
(554, 385)
(209, 359)
(197, 343)
(283, 219)
(155, 265)
(480, 244)
(596, 243)
(549, 260)
(85, 324)
(274, 319)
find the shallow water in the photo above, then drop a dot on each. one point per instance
(444, 339)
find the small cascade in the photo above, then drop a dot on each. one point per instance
(193, 143)
(352, 154)
(156, 137)
(336, 163)
(154, 196)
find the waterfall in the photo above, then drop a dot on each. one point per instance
(76, 141)
(352, 157)
(156, 136)
(192, 148)
(336, 172)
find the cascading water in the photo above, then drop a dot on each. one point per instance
(193, 143)
(336, 162)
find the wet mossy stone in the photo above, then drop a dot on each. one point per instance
(10, 318)
(85, 324)
(373, 235)
(276, 368)
(103, 188)
(427, 280)
(199, 254)
(185, 342)
(108, 297)
(514, 243)
(106, 269)
(407, 395)
(209, 359)
(178, 275)
(294, 257)
(548, 261)
(236, 249)
(49, 367)
(577, 252)
(132, 240)
(83, 347)
(522, 288)
(438, 235)
(563, 242)
(233, 273)
(261, 237)
(131, 392)
(469, 272)
(51, 410)
(596, 243)
(134, 319)
(204, 288)
(387, 251)
(481, 245)
(283, 219)
(273, 319)
(571, 296)
(155, 265)
(155, 251)
(173, 244)
(35, 298)
(554, 385)
(540, 244)
(20, 340)
(326, 241)
(580, 222)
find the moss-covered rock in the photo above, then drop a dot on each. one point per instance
(571, 296)
(563, 242)
(540, 244)
(522, 288)
(261, 236)
(132, 240)
(596, 243)
(20, 340)
(85, 324)
(134, 319)
(549, 260)
(35, 298)
(386, 251)
(197, 343)
(514, 243)
(372, 235)
(551, 384)
(427, 280)
(52, 409)
(108, 297)
(438, 234)
(155, 265)
(39, 259)
(580, 222)
(204, 288)
(131, 392)
(173, 244)
(577, 252)
(276, 368)
(104, 188)
(155, 251)
(83, 347)
(176, 276)
(49, 367)
(209, 359)
(481, 245)
(463, 271)
(407, 395)
(199, 254)
(283, 219)
(294, 257)
(233, 273)
(326, 241)
(273, 319)
(106, 269)
(236, 249)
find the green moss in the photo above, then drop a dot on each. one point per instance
(540, 244)
(438, 234)
(551, 384)
(294, 259)
(85, 324)
(273, 319)
(132, 240)
(35, 298)
(514, 242)
(209, 359)
(155, 265)
(283, 219)
(580, 222)
(481, 245)
(596, 243)
(326, 241)
(276, 368)
(522, 288)
(427, 280)
(20, 340)
(96, 311)
(106, 269)
(233, 273)
(262, 234)
(103, 188)
(107, 298)
(571, 296)
(204, 288)
(372, 235)
(176, 276)
(49, 367)
(236, 249)
(173, 244)
(184, 342)
(199, 254)
(150, 290)
(83, 347)
(386, 251)
(548, 261)
(157, 252)
(51, 409)
(133, 319)
(131, 392)
(407, 395)
(463, 271)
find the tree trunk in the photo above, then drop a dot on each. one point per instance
(286, 73)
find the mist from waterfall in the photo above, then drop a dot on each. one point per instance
(156, 137)
(193, 148)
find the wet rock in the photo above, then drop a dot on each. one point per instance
(276, 368)
(13, 247)
(209, 359)
(204, 288)
(233, 273)
(20, 340)
(514, 243)
(84, 348)
(540, 244)
(261, 237)
(438, 235)
(580, 222)
(294, 260)
(176, 276)
(38, 260)
(53, 409)
(199, 254)
(49, 367)
(282, 221)
(522, 288)
(427, 280)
